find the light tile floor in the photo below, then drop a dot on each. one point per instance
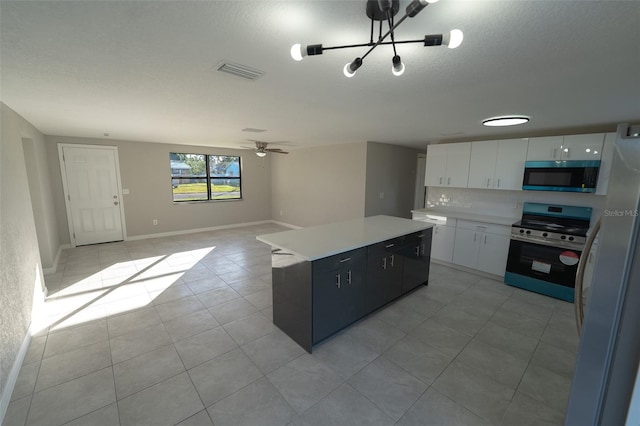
(178, 331)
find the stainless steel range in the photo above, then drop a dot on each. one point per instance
(545, 248)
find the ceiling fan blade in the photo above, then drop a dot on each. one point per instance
(248, 147)
(276, 151)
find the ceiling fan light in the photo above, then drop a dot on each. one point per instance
(398, 66)
(509, 120)
(261, 153)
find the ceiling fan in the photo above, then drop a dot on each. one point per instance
(261, 148)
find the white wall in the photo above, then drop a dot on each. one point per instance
(319, 185)
(145, 171)
(20, 267)
(391, 180)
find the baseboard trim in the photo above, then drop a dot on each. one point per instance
(54, 268)
(13, 375)
(288, 225)
(193, 231)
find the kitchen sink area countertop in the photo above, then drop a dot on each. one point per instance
(317, 242)
(457, 214)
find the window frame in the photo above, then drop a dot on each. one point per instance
(207, 176)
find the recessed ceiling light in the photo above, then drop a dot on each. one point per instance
(508, 120)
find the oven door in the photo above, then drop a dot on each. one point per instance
(542, 268)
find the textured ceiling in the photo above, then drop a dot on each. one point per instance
(144, 70)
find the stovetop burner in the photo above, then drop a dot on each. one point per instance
(567, 229)
(553, 225)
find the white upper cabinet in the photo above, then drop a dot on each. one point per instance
(482, 168)
(448, 165)
(544, 149)
(435, 170)
(608, 151)
(512, 153)
(571, 147)
(497, 164)
(583, 147)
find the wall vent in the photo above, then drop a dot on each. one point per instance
(239, 70)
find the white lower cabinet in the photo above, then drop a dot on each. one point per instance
(444, 231)
(481, 246)
(442, 242)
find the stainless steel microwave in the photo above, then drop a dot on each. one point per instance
(565, 176)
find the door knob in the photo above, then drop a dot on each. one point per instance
(115, 203)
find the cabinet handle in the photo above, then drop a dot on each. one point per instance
(485, 240)
(488, 182)
(423, 249)
(392, 258)
(389, 245)
(475, 236)
(498, 183)
(420, 235)
(384, 263)
(345, 260)
(448, 181)
(338, 280)
(440, 180)
(349, 276)
(417, 250)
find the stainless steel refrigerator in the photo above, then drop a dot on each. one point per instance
(602, 392)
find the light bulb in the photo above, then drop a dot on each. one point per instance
(350, 68)
(261, 153)
(588, 150)
(296, 52)
(398, 67)
(455, 39)
(347, 71)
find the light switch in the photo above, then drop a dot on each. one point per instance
(125, 192)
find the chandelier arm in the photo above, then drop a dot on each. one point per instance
(371, 44)
(371, 36)
(381, 39)
(393, 41)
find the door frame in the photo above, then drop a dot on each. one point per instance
(65, 187)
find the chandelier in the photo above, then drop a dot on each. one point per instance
(384, 11)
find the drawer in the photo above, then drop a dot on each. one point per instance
(484, 227)
(340, 260)
(416, 237)
(386, 246)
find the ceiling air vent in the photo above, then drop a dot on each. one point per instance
(239, 70)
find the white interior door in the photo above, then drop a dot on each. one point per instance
(92, 192)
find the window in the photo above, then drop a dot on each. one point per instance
(200, 177)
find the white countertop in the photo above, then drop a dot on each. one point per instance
(321, 241)
(457, 214)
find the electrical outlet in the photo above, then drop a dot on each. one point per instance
(155, 221)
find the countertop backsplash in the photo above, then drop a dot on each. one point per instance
(506, 203)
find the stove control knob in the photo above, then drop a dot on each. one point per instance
(522, 231)
(544, 234)
(570, 238)
(528, 232)
(563, 237)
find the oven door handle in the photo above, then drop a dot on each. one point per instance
(582, 264)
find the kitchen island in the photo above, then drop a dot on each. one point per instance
(329, 276)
